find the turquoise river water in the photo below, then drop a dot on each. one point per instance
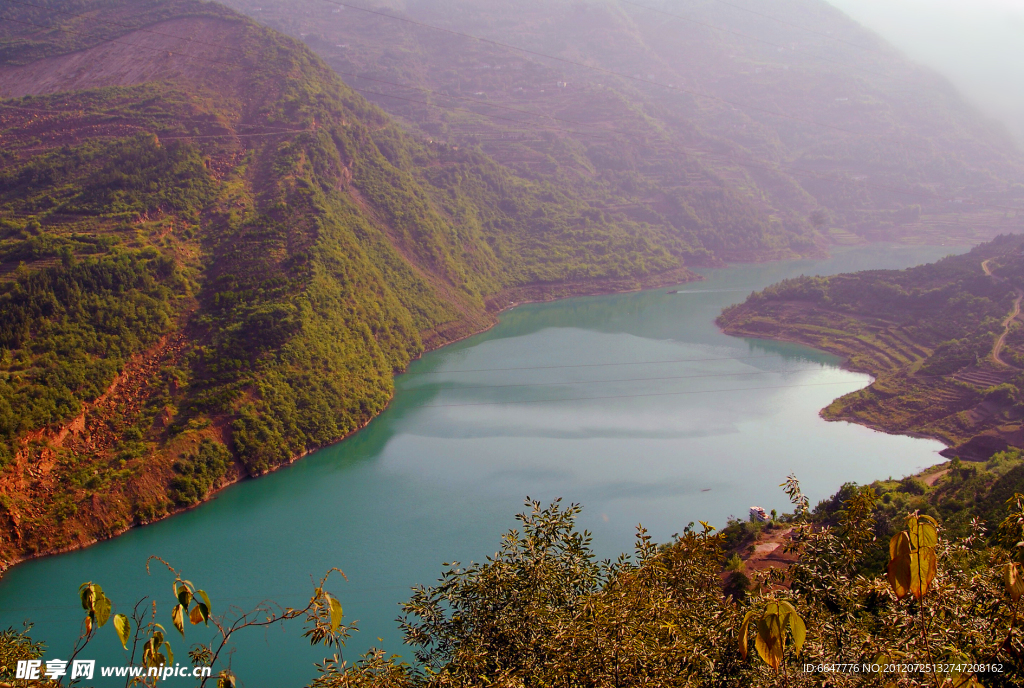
(634, 405)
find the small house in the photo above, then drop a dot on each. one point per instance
(758, 514)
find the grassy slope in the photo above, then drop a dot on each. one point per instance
(877, 147)
(219, 262)
(925, 333)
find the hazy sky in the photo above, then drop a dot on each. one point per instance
(978, 44)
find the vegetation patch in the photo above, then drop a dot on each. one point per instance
(199, 472)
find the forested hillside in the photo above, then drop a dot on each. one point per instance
(214, 256)
(750, 130)
(944, 341)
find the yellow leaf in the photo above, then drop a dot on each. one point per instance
(206, 601)
(769, 640)
(336, 612)
(923, 531)
(798, 629)
(912, 569)
(124, 629)
(1014, 582)
(923, 566)
(88, 595)
(177, 618)
(898, 572)
(898, 544)
(744, 632)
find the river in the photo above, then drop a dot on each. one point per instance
(634, 405)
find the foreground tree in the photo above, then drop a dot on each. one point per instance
(544, 612)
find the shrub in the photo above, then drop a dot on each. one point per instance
(198, 472)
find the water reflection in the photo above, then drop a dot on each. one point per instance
(633, 404)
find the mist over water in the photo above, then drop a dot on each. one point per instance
(974, 43)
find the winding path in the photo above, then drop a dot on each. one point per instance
(997, 348)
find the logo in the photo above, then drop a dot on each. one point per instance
(55, 668)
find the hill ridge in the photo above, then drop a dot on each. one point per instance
(293, 245)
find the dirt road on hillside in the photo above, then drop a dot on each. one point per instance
(997, 348)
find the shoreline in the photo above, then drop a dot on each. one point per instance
(844, 364)
(508, 298)
(542, 293)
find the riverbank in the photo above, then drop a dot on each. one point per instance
(632, 404)
(847, 353)
(112, 513)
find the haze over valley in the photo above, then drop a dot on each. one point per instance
(974, 44)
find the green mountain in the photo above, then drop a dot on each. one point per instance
(944, 341)
(748, 131)
(214, 256)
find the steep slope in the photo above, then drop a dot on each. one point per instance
(749, 130)
(214, 256)
(943, 340)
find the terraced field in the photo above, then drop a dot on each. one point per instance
(942, 340)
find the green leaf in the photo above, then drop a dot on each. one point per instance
(124, 629)
(170, 655)
(206, 599)
(102, 609)
(85, 591)
(184, 596)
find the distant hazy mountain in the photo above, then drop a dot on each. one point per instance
(976, 44)
(752, 129)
